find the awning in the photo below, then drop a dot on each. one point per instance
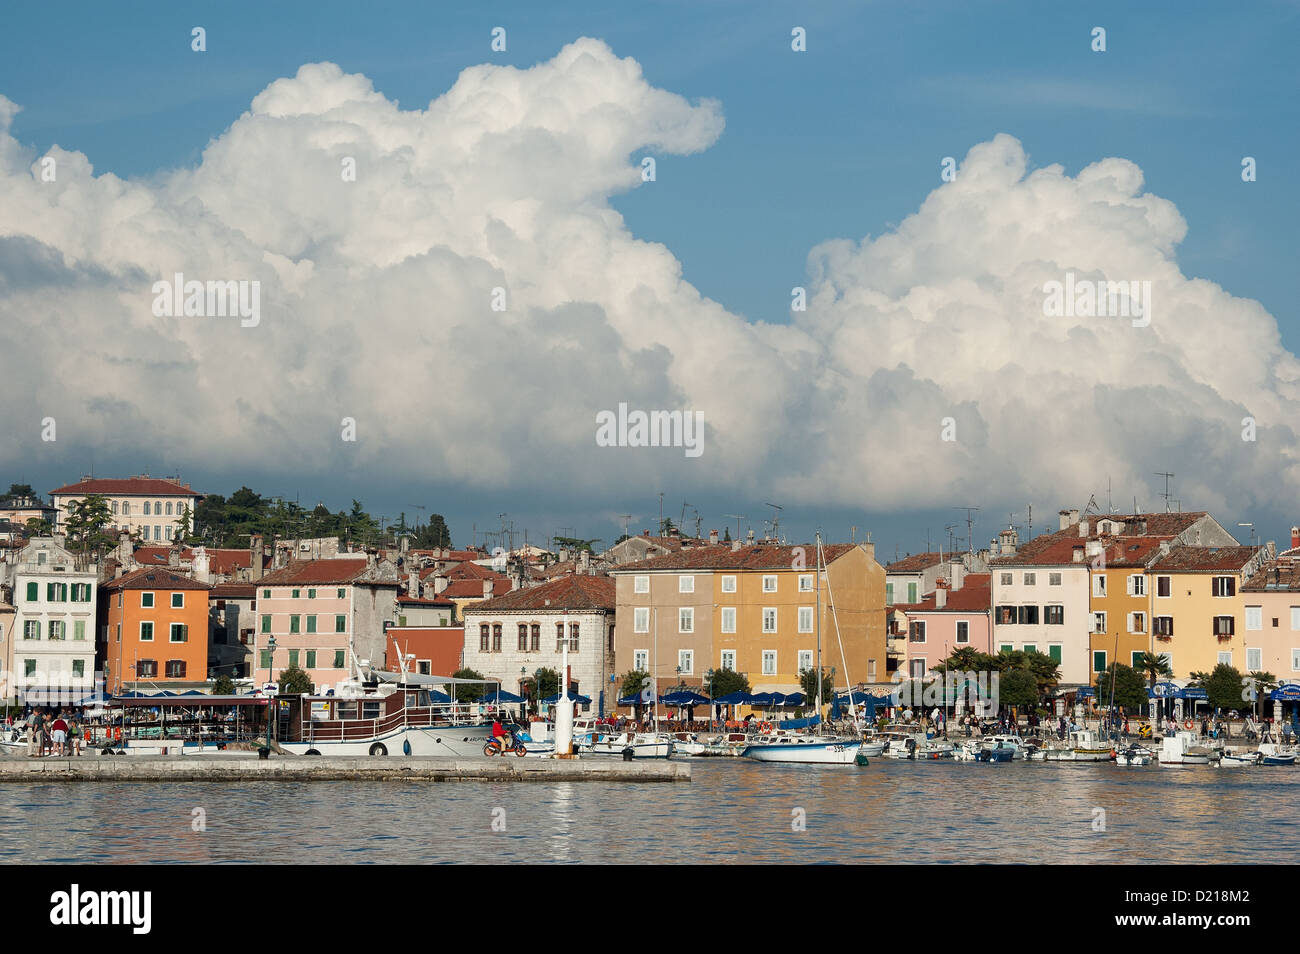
(501, 698)
(581, 700)
(768, 699)
(685, 698)
(1286, 693)
(734, 699)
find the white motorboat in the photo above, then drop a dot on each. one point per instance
(1270, 753)
(641, 745)
(1183, 748)
(1237, 759)
(871, 748)
(1134, 755)
(821, 750)
(902, 744)
(935, 750)
(1013, 742)
(687, 743)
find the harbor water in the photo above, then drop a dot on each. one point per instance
(733, 810)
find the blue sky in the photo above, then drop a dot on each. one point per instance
(842, 141)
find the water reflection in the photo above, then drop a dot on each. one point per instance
(733, 811)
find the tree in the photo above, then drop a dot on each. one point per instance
(808, 682)
(726, 535)
(21, 490)
(666, 527)
(223, 685)
(39, 527)
(434, 534)
(293, 681)
(1018, 688)
(183, 525)
(727, 681)
(542, 685)
(966, 659)
(1130, 688)
(468, 693)
(1223, 688)
(1260, 684)
(87, 520)
(631, 683)
(1153, 666)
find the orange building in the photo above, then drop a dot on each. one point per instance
(157, 631)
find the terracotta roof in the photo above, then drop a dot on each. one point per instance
(472, 571)
(975, 595)
(1276, 575)
(424, 601)
(332, 570)
(1057, 549)
(128, 486)
(1206, 559)
(234, 591)
(917, 562)
(471, 589)
(567, 592)
(452, 555)
(723, 557)
(154, 578)
(219, 561)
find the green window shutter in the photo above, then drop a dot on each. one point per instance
(1031, 647)
(311, 624)
(266, 622)
(1005, 648)
(1099, 661)
(889, 594)
(297, 594)
(293, 657)
(294, 623)
(1136, 659)
(341, 592)
(311, 659)
(338, 659)
(1055, 653)
(266, 594)
(79, 629)
(401, 621)
(49, 592)
(33, 592)
(340, 624)
(266, 659)
(911, 592)
(311, 594)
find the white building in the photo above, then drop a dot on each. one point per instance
(512, 636)
(149, 506)
(54, 626)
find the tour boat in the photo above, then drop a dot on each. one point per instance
(819, 750)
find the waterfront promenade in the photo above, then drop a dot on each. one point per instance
(243, 768)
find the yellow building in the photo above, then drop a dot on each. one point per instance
(1120, 598)
(1197, 608)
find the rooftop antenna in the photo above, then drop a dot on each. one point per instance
(1167, 477)
(1031, 523)
(738, 517)
(970, 538)
(776, 519)
(952, 541)
(1110, 507)
(698, 521)
(626, 517)
(661, 515)
(681, 521)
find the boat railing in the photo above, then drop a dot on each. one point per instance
(344, 730)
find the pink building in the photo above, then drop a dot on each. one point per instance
(953, 617)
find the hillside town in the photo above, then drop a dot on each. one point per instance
(112, 579)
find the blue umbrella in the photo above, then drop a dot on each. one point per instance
(734, 699)
(794, 699)
(685, 698)
(768, 699)
(581, 700)
(503, 696)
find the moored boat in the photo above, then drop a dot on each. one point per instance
(820, 750)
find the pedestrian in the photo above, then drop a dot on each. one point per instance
(74, 735)
(45, 735)
(59, 735)
(34, 733)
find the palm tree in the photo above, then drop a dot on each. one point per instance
(1153, 666)
(1261, 682)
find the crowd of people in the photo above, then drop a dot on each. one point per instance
(48, 732)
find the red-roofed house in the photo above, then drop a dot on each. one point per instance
(429, 650)
(149, 506)
(957, 615)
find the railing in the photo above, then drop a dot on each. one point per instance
(342, 730)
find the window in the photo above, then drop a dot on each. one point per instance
(1254, 659)
(126, 508)
(167, 532)
(146, 669)
(805, 619)
(686, 584)
(963, 632)
(1254, 617)
(342, 593)
(805, 583)
(1226, 658)
(769, 662)
(338, 658)
(157, 508)
(641, 660)
(340, 624)
(146, 632)
(483, 638)
(57, 630)
(1005, 648)
(1054, 615)
(805, 659)
(1162, 625)
(1135, 660)
(78, 667)
(916, 631)
(640, 584)
(916, 668)
(769, 584)
(266, 594)
(1295, 660)
(537, 637)
(559, 635)
(889, 594)
(1054, 651)
(1099, 622)
(178, 601)
(1295, 618)
(1027, 615)
(1099, 660)
(496, 637)
(1223, 586)
(728, 619)
(34, 590)
(1030, 647)
(871, 670)
(265, 661)
(297, 594)
(157, 533)
(295, 624)
(685, 662)
(311, 623)
(146, 601)
(1053, 579)
(1225, 625)
(169, 508)
(311, 659)
(58, 592)
(911, 592)
(146, 508)
(1163, 586)
(175, 669)
(523, 637)
(729, 659)
(79, 630)
(1137, 622)
(293, 658)
(728, 584)
(1031, 579)
(180, 633)
(1099, 586)
(311, 594)
(29, 667)
(32, 629)
(1005, 578)
(118, 637)
(1137, 585)
(686, 620)
(574, 630)
(641, 619)
(769, 619)
(1005, 615)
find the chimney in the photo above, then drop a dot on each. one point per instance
(174, 555)
(487, 589)
(584, 558)
(1295, 537)
(202, 566)
(255, 557)
(750, 536)
(1083, 529)
(957, 573)
(413, 584)
(940, 595)
(1078, 554)
(645, 533)
(735, 546)
(713, 537)
(564, 554)
(406, 544)
(439, 584)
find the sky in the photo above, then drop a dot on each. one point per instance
(521, 169)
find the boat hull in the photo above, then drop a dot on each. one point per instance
(810, 753)
(451, 741)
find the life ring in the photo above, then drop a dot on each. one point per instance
(1187, 724)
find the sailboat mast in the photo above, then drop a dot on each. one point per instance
(817, 569)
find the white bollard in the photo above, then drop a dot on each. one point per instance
(564, 727)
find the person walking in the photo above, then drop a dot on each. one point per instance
(34, 733)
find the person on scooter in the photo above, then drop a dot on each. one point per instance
(502, 736)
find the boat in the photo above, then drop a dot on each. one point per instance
(1083, 746)
(1237, 759)
(1012, 742)
(1271, 753)
(818, 750)
(1134, 755)
(872, 747)
(687, 743)
(1000, 751)
(1183, 748)
(934, 750)
(733, 744)
(641, 745)
(902, 744)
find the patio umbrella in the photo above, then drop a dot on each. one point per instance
(734, 699)
(502, 697)
(793, 699)
(685, 698)
(581, 700)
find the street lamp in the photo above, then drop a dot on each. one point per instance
(270, 677)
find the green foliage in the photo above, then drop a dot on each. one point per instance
(21, 490)
(39, 527)
(469, 693)
(1224, 688)
(631, 683)
(1018, 687)
(727, 681)
(433, 535)
(1043, 667)
(223, 686)
(726, 535)
(1130, 688)
(293, 681)
(967, 659)
(1153, 666)
(87, 520)
(808, 683)
(542, 685)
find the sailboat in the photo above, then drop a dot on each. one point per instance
(814, 750)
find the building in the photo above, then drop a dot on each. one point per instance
(1120, 599)
(151, 507)
(316, 610)
(156, 631)
(428, 650)
(753, 609)
(647, 547)
(18, 510)
(511, 637)
(913, 578)
(1198, 607)
(957, 615)
(425, 611)
(1271, 612)
(232, 629)
(54, 600)
(205, 564)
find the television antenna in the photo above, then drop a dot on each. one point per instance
(970, 538)
(776, 518)
(1168, 477)
(738, 517)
